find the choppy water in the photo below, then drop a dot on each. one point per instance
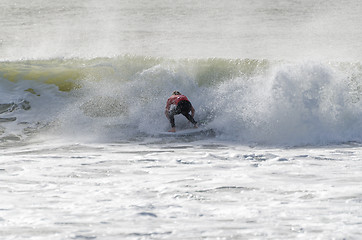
(180, 190)
(83, 87)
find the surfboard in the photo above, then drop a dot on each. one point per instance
(188, 132)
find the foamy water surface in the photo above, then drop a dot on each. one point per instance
(180, 190)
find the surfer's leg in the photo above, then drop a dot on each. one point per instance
(189, 117)
(185, 107)
(171, 117)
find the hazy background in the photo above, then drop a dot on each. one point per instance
(271, 29)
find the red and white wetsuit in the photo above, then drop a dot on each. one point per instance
(174, 100)
(181, 105)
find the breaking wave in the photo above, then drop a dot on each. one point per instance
(242, 100)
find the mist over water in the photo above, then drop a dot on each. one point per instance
(181, 29)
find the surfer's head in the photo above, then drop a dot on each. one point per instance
(176, 93)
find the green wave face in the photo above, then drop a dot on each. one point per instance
(68, 74)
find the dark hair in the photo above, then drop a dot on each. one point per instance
(176, 93)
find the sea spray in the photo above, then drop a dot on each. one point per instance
(243, 100)
(304, 103)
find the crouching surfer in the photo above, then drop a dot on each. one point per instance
(177, 104)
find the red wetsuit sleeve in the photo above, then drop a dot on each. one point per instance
(169, 102)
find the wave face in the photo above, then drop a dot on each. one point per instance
(243, 100)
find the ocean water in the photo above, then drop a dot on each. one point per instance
(83, 86)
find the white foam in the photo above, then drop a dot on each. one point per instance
(305, 103)
(293, 104)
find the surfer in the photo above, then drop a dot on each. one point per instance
(177, 104)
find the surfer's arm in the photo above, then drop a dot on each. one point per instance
(192, 111)
(167, 108)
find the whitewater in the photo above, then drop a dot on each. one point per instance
(83, 88)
